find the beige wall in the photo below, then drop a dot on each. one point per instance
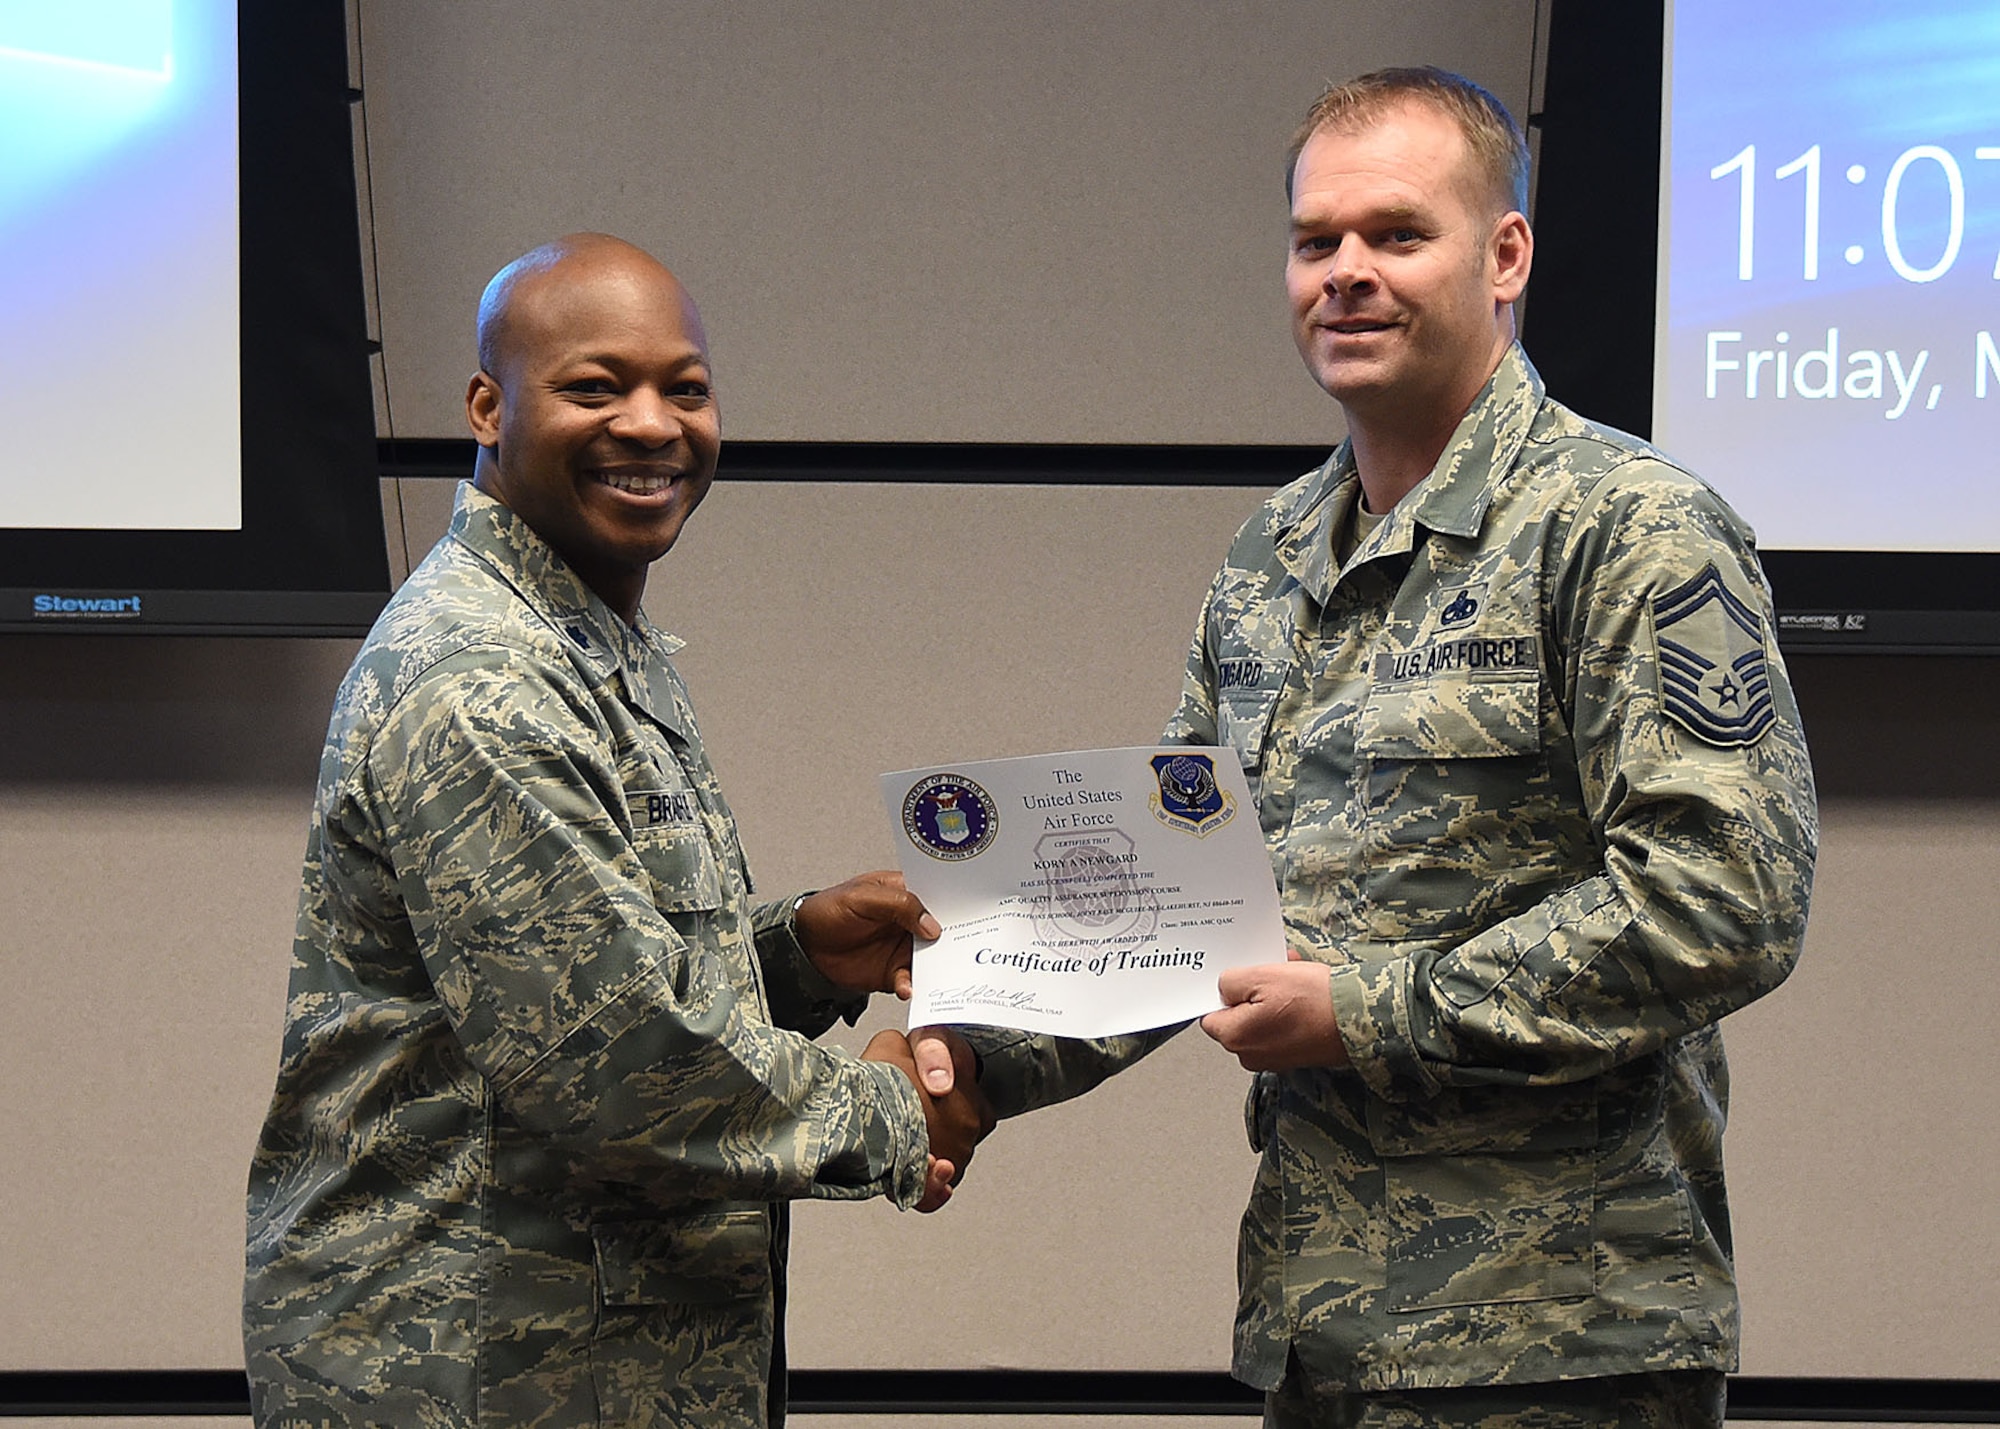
(153, 794)
(905, 220)
(878, 262)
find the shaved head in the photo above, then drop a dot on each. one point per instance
(580, 253)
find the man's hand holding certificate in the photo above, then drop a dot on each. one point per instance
(1084, 894)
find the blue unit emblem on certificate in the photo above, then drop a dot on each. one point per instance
(950, 817)
(1188, 796)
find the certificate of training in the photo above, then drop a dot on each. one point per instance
(1084, 894)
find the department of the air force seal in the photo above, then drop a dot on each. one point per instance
(1188, 797)
(950, 817)
(1715, 681)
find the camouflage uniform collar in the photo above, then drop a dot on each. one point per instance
(490, 529)
(1305, 518)
(1451, 499)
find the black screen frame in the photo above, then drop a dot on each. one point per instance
(1588, 325)
(310, 557)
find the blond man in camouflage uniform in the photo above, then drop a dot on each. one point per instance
(1540, 812)
(547, 1076)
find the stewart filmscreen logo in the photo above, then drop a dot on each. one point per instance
(60, 607)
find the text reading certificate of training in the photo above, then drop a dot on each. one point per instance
(1084, 894)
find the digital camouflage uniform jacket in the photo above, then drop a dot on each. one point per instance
(536, 1103)
(1533, 782)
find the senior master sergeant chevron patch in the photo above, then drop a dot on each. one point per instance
(1715, 680)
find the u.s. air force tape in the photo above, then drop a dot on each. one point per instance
(1467, 653)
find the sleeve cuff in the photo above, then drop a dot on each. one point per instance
(1372, 1005)
(1021, 1072)
(1006, 1067)
(904, 1134)
(801, 995)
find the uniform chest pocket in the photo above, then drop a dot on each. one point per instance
(1244, 706)
(1455, 716)
(1488, 1196)
(670, 835)
(702, 1260)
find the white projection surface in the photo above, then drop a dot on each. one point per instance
(118, 265)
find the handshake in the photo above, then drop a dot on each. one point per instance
(956, 1113)
(859, 934)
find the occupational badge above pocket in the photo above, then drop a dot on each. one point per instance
(1715, 678)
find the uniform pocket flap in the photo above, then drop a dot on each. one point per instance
(1260, 1110)
(1463, 715)
(682, 866)
(1243, 720)
(1499, 1120)
(698, 1260)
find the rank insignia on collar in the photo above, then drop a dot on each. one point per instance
(1715, 680)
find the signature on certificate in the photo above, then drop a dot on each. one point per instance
(985, 994)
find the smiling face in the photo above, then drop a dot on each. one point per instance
(1402, 270)
(595, 412)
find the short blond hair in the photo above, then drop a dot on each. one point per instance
(1492, 138)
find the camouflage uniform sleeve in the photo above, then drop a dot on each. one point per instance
(1194, 719)
(1023, 1071)
(802, 997)
(616, 1030)
(1707, 844)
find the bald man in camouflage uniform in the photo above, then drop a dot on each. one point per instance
(1503, 685)
(546, 1077)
